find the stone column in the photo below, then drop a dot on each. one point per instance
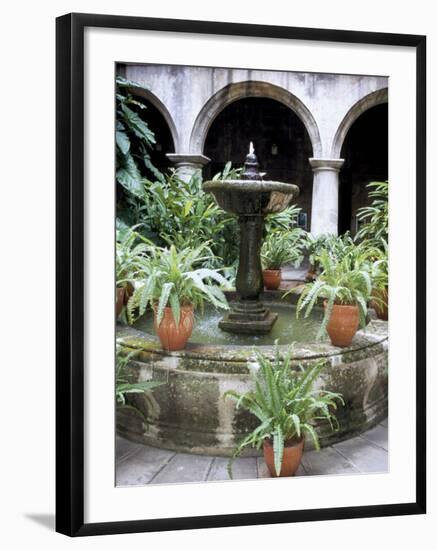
(324, 212)
(187, 165)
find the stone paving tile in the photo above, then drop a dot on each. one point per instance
(325, 462)
(290, 273)
(140, 467)
(263, 471)
(242, 468)
(384, 423)
(377, 435)
(124, 448)
(184, 468)
(364, 456)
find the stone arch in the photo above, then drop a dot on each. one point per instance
(156, 102)
(239, 90)
(371, 100)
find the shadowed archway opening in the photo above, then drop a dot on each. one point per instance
(365, 151)
(164, 140)
(281, 142)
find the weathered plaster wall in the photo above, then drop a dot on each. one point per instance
(185, 92)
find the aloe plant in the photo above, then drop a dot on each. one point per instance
(285, 403)
(282, 247)
(170, 278)
(342, 282)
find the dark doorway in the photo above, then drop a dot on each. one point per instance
(281, 143)
(365, 151)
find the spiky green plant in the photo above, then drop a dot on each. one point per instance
(343, 282)
(285, 403)
(282, 247)
(130, 251)
(375, 217)
(170, 278)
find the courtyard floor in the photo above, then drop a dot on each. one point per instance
(139, 465)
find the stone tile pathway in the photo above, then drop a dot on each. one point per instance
(139, 465)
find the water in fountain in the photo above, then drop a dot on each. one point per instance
(287, 328)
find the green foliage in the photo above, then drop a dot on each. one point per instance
(180, 213)
(169, 277)
(375, 217)
(285, 220)
(285, 404)
(345, 281)
(123, 385)
(282, 247)
(379, 274)
(133, 139)
(229, 173)
(131, 250)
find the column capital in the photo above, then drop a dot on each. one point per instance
(332, 165)
(188, 159)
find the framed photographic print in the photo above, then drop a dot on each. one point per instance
(240, 305)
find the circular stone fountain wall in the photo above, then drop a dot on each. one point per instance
(189, 412)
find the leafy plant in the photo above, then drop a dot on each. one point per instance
(170, 278)
(379, 271)
(180, 213)
(285, 403)
(229, 173)
(282, 247)
(123, 385)
(375, 216)
(285, 220)
(130, 252)
(343, 282)
(133, 139)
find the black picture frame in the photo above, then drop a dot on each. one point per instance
(70, 272)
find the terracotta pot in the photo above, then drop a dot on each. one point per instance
(291, 458)
(172, 336)
(128, 291)
(343, 324)
(119, 298)
(272, 278)
(381, 309)
(311, 273)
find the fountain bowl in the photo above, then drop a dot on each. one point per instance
(252, 197)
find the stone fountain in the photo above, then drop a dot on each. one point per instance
(251, 199)
(190, 413)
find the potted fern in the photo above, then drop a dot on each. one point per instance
(174, 288)
(286, 405)
(345, 286)
(280, 248)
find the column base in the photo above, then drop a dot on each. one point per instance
(248, 318)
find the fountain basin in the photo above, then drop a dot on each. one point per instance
(190, 414)
(249, 197)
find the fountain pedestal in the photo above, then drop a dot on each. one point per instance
(251, 199)
(249, 315)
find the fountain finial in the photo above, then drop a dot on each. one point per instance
(250, 171)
